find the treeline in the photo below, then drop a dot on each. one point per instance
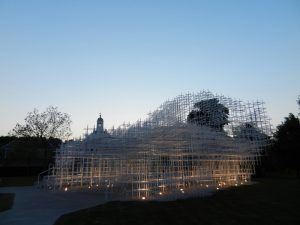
(283, 153)
(30, 148)
(24, 156)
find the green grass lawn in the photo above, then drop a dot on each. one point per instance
(269, 201)
(17, 181)
(6, 201)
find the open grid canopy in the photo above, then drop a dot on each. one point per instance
(191, 144)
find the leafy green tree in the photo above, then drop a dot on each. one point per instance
(209, 113)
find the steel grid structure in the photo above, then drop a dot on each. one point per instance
(168, 155)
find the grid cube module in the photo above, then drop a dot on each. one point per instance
(190, 144)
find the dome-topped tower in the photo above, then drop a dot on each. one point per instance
(100, 124)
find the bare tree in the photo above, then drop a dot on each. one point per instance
(50, 123)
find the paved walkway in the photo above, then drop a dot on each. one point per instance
(39, 207)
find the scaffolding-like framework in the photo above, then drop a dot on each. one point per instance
(168, 155)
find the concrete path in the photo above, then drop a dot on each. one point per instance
(39, 207)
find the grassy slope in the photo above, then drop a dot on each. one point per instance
(6, 201)
(17, 181)
(270, 201)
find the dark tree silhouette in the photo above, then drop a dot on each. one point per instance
(48, 124)
(209, 113)
(6, 139)
(286, 148)
(298, 101)
(250, 132)
(30, 152)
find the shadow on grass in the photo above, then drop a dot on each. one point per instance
(269, 201)
(17, 181)
(6, 201)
